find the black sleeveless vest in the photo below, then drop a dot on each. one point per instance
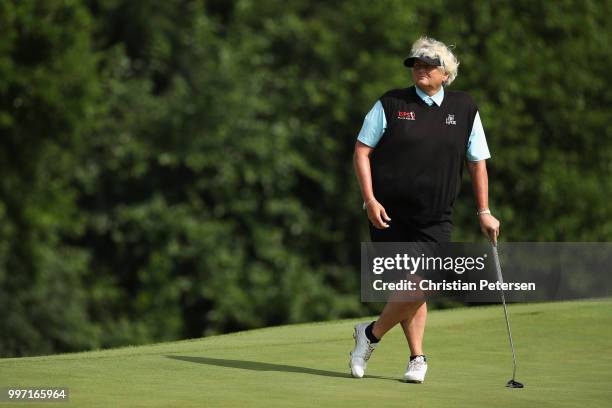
(418, 162)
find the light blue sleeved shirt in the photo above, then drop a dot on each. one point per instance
(375, 123)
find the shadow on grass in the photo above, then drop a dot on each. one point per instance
(259, 366)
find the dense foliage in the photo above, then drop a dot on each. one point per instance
(181, 168)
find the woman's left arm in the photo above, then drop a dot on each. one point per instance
(489, 225)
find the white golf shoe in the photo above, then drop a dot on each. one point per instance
(415, 372)
(362, 351)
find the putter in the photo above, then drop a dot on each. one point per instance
(512, 383)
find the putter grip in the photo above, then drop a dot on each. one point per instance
(497, 264)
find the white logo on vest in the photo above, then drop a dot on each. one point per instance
(450, 120)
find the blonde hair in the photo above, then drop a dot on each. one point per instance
(428, 47)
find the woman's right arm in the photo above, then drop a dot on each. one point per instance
(361, 160)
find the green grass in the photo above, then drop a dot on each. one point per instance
(564, 352)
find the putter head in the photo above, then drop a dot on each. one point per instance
(514, 384)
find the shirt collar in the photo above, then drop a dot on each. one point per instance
(437, 98)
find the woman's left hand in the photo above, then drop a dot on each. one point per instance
(489, 225)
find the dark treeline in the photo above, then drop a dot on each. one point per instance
(175, 169)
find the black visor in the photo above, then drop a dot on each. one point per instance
(409, 62)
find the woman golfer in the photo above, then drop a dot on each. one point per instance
(408, 159)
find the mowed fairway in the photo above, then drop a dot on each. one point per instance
(564, 352)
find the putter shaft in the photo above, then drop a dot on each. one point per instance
(501, 280)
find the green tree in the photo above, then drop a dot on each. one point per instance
(184, 168)
(47, 87)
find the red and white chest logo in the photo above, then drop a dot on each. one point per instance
(405, 115)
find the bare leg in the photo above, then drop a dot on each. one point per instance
(412, 315)
(414, 330)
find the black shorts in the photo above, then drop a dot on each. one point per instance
(418, 241)
(402, 231)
